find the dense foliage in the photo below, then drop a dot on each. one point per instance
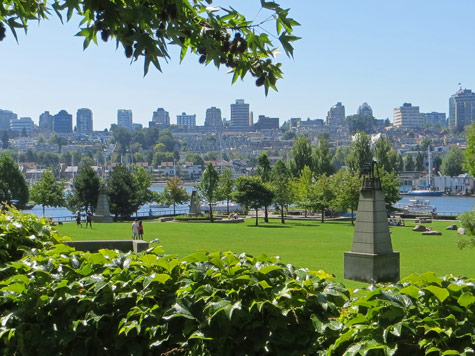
(58, 301)
(13, 186)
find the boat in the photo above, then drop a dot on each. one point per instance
(419, 206)
(426, 191)
(159, 206)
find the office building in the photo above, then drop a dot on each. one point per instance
(23, 123)
(124, 119)
(46, 122)
(408, 116)
(365, 110)
(63, 122)
(213, 118)
(6, 117)
(267, 123)
(161, 118)
(336, 115)
(436, 118)
(84, 121)
(461, 109)
(240, 114)
(186, 121)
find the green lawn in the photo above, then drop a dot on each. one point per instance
(308, 244)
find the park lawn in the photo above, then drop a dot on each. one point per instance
(309, 244)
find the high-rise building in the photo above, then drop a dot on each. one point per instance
(240, 114)
(84, 121)
(435, 118)
(213, 118)
(23, 123)
(124, 119)
(46, 121)
(161, 118)
(365, 110)
(186, 121)
(408, 116)
(336, 115)
(461, 109)
(6, 117)
(63, 122)
(267, 123)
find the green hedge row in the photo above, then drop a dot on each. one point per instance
(58, 301)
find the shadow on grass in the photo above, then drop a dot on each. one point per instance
(306, 224)
(270, 226)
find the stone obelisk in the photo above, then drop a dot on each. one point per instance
(102, 213)
(372, 258)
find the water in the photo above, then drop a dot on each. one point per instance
(448, 206)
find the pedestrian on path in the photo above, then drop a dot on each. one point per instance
(135, 230)
(140, 228)
(78, 219)
(89, 219)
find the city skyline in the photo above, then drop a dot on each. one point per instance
(384, 54)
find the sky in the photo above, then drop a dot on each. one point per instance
(384, 53)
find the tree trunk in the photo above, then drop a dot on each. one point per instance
(174, 209)
(257, 218)
(282, 220)
(352, 218)
(43, 211)
(323, 215)
(266, 214)
(210, 213)
(227, 207)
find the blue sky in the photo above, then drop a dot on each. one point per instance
(381, 52)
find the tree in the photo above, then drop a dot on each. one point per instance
(437, 163)
(122, 138)
(322, 195)
(409, 164)
(174, 193)
(364, 123)
(301, 155)
(86, 186)
(280, 181)
(142, 183)
(469, 164)
(399, 163)
(218, 35)
(121, 190)
(263, 170)
(5, 140)
(322, 157)
(347, 187)
(58, 140)
(208, 187)
(339, 158)
(452, 163)
(390, 183)
(303, 189)
(360, 152)
(252, 193)
(419, 165)
(467, 220)
(382, 150)
(48, 192)
(225, 187)
(12, 183)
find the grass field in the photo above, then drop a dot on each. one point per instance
(308, 244)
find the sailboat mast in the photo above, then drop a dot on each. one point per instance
(430, 168)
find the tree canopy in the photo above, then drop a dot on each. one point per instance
(218, 35)
(12, 183)
(47, 191)
(452, 162)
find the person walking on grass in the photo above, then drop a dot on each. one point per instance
(140, 228)
(135, 230)
(89, 219)
(78, 219)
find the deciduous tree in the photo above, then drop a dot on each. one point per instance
(347, 187)
(12, 183)
(226, 187)
(452, 163)
(208, 187)
(86, 186)
(360, 152)
(47, 191)
(301, 156)
(252, 193)
(174, 193)
(322, 157)
(264, 170)
(121, 190)
(281, 187)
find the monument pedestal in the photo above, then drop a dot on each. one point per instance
(102, 213)
(372, 258)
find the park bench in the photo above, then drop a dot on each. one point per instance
(423, 220)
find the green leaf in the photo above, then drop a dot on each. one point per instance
(268, 269)
(411, 291)
(161, 278)
(466, 299)
(451, 352)
(264, 284)
(440, 293)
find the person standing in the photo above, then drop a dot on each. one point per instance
(140, 228)
(78, 219)
(135, 230)
(89, 219)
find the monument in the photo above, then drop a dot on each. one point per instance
(195, 208)
(102, 213)
(372, 258)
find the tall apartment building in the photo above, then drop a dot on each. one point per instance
(6, 118)
(186, 121)
(435, 118)
(336, 115)
(240, 114)
(408, 116)
(213, 118)
(461, 109)
(84, 121)
(161, 118)
(124, 119)
(365, 110)
(63, 122)
(23, 123)
(46, 122)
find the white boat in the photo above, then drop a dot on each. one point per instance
(426, 190)
(420, 206)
